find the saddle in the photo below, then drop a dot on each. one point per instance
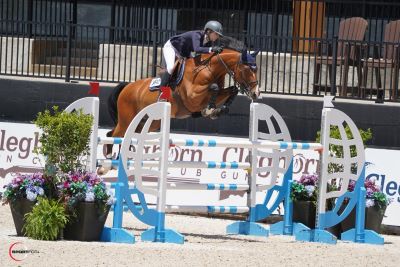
(176, 77)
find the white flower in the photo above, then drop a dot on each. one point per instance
(369, 203)
(40, 191)
(31, 196)
(310, 189)
(89, 197)
(110, 201)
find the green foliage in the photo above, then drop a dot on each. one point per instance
(299, 193)
(336, 150)
(381, 200)
(46, 221)
(65, 138)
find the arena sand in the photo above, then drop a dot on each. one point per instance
(205, 245)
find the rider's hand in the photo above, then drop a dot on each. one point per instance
(216, 49)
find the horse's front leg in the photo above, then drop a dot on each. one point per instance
(224, 100)
(232, 92)
(214, 89)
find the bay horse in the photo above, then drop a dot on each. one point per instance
(201, 90)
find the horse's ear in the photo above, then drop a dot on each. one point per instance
(254, 54)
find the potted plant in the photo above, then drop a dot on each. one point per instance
(46, 221)
(375, 207)
(65, 145)
(21, 194)
(304, 196)
(64, 141)
(88, 201)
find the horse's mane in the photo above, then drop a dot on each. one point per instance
(232, 43)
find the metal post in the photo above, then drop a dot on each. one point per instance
(68, 55)
(194, 12)
(30, 16)
(111, 33)
(275, 27)
(155, 34)
(333, 74)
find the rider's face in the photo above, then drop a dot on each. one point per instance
(213, 36)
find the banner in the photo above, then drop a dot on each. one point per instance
(17, 142)
(383, 166)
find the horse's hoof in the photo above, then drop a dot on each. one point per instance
(101, 171)
(213, 117)
(207, 112)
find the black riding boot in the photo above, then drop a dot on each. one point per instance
(164, 82)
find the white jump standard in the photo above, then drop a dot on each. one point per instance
(139, 168)
(273, 143)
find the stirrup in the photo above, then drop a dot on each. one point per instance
(161, 99)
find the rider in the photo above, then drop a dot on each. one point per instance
(193, 41)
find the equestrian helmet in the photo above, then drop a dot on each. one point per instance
(214, 26)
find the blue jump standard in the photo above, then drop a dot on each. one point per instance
(357, 234)
(287, 226)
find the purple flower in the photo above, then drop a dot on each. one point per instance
(82, 186)
(309, 180)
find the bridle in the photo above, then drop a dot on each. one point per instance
(244, 87)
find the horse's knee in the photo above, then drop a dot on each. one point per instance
(213, 88)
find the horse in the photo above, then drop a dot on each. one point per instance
(199, 93)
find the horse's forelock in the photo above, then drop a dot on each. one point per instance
(248, 59)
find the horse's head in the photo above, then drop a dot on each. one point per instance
(245, 74)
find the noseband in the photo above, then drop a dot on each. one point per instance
(244, 87)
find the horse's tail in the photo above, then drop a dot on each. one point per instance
(112, 101)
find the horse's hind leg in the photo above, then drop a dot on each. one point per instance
(107, 151)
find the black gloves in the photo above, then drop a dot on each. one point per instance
(216, 49)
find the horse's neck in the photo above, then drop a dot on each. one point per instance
(226, 61)
(211, 68)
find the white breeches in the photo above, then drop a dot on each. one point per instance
(169, 56)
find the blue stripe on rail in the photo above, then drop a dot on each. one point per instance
(306, 146)
(189, 142)
(294, 145)
(233, 187)
(232, 209)
(212, 143)
(283, 145)
(201, 143)
(234, 165)
(210, 208)
(116, 140)
(211, 164)
(210, 186)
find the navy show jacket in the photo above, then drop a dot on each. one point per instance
(188, 42)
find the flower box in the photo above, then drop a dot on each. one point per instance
(373, 219)
(88, 223)
(19, 208)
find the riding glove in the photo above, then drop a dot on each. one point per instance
(216, 49)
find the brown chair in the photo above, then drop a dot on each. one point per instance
(388, 59)
(351, 33)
